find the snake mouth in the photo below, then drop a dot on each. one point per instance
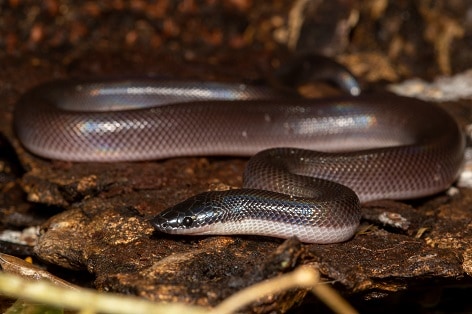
(165, 225)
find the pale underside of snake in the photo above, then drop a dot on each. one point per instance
(313, 161)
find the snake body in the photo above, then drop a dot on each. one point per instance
(315, 160)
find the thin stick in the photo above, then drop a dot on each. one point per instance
(302, 277)
(85, 300)
(332, 299)
(90, 301)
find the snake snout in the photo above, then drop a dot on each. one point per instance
(159, 223)
(167, 222)
(192, 216)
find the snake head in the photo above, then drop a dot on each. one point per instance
(192, 216)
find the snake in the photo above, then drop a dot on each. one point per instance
(314, 161)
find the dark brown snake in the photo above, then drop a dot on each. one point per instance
(379, 146)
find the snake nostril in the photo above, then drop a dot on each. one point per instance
(159, 223)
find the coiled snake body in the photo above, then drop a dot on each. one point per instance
(366, 147)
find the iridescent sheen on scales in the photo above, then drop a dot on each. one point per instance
(314, 160)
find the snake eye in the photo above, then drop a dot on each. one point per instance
(187, 221)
